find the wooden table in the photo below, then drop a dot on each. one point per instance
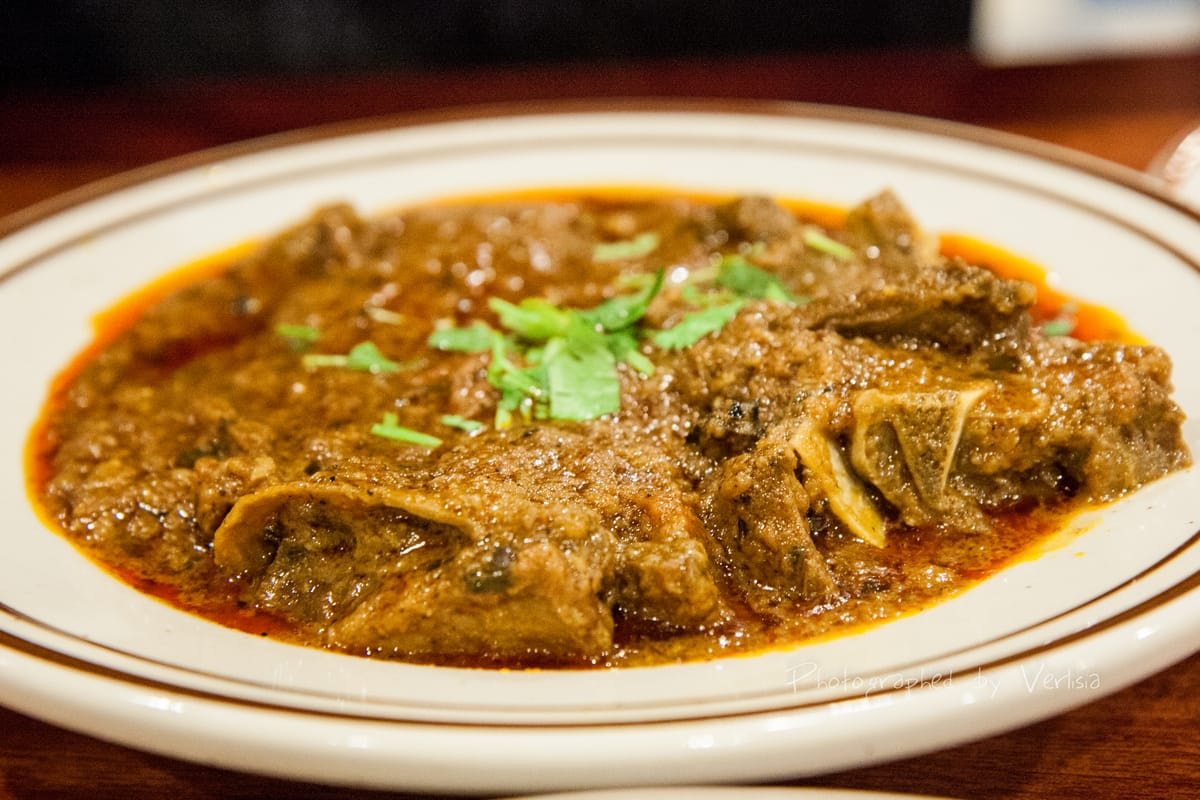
(1143, 741)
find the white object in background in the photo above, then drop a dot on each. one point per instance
(1023, 31)
(1178, 165)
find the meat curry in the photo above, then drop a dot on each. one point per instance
(590, 430)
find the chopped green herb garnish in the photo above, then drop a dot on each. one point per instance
(823, 243)
(558, 363)
(754, 283)
(366, 357)
(641, 245)
(1058, 327)
(706, 274)
(363, 357)
(561, 363)
(1064, 323)
(694, 295)
(314, 360)
(582, 380)
(696, 325)
(305, 333)
(535, 318)
(624, 347)
(619, 313)
(635, 282)
(299, 336)
(384, 315)
(462, 423)
(520, 387)
(390, 428)
(475, 338)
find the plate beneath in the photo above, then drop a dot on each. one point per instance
(1090, 613)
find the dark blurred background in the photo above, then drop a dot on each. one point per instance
(85, 43)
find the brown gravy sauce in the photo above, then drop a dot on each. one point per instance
(1021, 530)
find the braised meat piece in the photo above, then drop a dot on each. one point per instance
(394, 572)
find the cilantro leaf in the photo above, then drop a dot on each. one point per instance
(1064, 323)
(624, 347)
(314, 360)
(582, 381)
(535, 318)
(1058, 327)
(390, 428)
(299, 337)
(641, 245)
(747, 280)
(366, 357)
(619, 313)
(519, 387)
(696, 325)
(475, 338)
(363, 357)
(461, 423)
(823, 243)
(298, 334)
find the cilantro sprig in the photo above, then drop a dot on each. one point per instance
(553, 362)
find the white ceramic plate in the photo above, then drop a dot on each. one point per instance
(1101, 609)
